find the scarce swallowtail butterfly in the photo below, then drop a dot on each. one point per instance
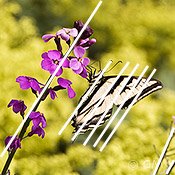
(94, 97)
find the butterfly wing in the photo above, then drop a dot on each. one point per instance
(85, 111)
(152, 86)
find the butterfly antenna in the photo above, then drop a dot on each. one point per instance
(114, 66)
(93, 63)
(99, 65)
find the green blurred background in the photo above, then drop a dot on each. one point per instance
(127, 30)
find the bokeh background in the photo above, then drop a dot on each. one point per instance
(128, 30)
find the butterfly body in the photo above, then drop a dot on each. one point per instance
(85, 112)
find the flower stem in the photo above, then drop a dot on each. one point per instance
(21, 135)
(12, 153)
(7, 164)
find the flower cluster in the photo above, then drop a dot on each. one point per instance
(18, 106)
(39, 123)
(77, 62)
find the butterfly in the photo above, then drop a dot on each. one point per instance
(94, 97)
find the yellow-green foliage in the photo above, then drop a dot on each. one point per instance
(127, 30)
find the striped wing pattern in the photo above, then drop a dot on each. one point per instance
(85, 111)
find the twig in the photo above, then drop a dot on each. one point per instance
(169, 169)
(164, 151)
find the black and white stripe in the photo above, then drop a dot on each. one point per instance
(87, 107)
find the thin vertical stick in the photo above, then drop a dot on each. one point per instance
(99, 102)
(168, 171)
(84, 97)
(164, 151)
(51, 78)
(126, 112)
(113, 101)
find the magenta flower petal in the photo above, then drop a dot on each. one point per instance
(34, 115)
(84, 73)
(66, 63)
(71, 92)
(87, 43)
(78, 71)
(60, 71)
(65, 33)
(92, 41)
(45, 55)
(53, 94)
(73, 32)
(85, 61)
(43, 121)
(54, 55)
(28, 82)
(51, 60)
(35, 85)
(47, 37)
(65, 36)
(64, 82)
(37, 119)
(36, 122)
(59, 32)
(12, 102)
(46, 64)
(79, 51)
(52, 68)
(18, 106)
(74, 64)
(37, 130)
(24, 82)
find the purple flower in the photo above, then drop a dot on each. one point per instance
(47, 37)
(87, 33)
(66, 84)
(51, 60)
(66, 33)
(86, 43)
(15, 144)
(37, 130)
(39, 122)
(18, 106)
(78, 64)
(52, 93)
(79, 51)
(37, 119)
(82, 46)
(28, 82)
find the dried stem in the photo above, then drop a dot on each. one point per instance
(164, 151)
